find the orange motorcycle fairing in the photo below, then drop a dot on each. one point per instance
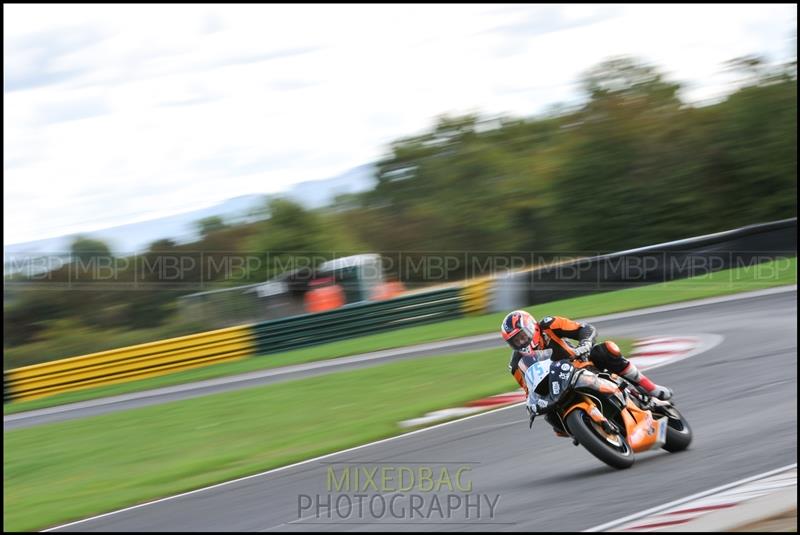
(588, 406)
(644, 432)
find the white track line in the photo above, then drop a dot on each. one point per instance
(218, 485)
(630, 518)
(671, 347)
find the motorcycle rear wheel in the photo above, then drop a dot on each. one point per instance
(679, 434)
(612, 450)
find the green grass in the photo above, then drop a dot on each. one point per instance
(766, 275)
(64, 471)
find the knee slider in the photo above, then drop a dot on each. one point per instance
(612, 349)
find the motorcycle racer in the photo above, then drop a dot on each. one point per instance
(533, 341)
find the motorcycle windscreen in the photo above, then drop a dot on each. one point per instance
(536, 373)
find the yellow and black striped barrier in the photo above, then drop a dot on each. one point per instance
(475, 296)
(177, 354)
(127, 363)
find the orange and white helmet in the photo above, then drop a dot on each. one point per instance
(519, 329)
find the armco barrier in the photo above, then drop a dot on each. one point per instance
(475, 296)
(126, 364)
(357, 319)
(176, 354)
(664, 262)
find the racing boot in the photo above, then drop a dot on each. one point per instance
(632, 373)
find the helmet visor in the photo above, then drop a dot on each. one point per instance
(519, 340)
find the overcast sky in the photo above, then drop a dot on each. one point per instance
(121, 113)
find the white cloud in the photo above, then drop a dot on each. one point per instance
(118, 113)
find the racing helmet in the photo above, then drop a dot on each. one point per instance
(519, 329)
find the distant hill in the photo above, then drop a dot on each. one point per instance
(135, 237)
(319, 193)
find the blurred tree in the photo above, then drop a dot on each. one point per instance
(751, 69)
(85, 249)
(26, 321)
(630, 175)
(210, 224)
(290, 237)
(628, 78)
(461, 186)
(755, 149)
(164, 244)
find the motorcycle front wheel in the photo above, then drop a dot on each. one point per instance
(612, 449)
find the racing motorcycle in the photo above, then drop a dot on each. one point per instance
(603, 412)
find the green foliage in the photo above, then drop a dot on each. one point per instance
(466, 185)
(211, 224)
(164, 244)
(293, 237)
(630, 80)
(85, 249)
(70, 337)
(643, 168)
